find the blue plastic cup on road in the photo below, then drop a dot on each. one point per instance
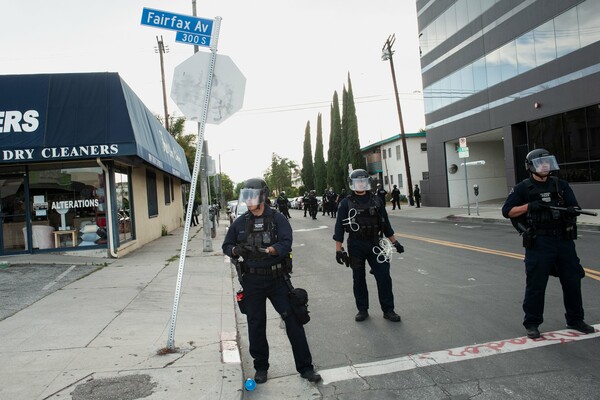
(250, 384)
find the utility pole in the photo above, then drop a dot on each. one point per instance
(387, 54)
(208, 245)
(161, 49)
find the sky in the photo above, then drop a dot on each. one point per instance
(293, 54)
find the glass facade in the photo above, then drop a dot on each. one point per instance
(574, 138)
(456, 17)
(570, 31)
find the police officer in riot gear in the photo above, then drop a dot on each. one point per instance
(548, 238)
(313, 204)
(282, 204)
(362, 215)
(262, 237)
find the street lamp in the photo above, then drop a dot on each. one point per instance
(387, 54)
(222, 195)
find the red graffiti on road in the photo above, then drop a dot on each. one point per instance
(559, 337)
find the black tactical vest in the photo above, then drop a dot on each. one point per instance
(261, 232)
(549, 195)
(367, 217)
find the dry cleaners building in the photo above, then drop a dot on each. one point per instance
(84, 166)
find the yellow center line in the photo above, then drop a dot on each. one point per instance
(590, 273)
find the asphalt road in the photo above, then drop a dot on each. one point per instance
(459, 289)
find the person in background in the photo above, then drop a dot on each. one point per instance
(381, 192)
(282, 204)
(417, 194)
(332, 201)
(395, 198)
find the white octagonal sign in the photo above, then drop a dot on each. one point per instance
(189, 88)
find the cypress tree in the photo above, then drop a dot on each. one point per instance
(308, 171)
(320, 171)
(343, 163)
(353, 154)
(336, 176)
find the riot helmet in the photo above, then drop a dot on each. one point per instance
(359, 180)
(540, 162)
(254, 192)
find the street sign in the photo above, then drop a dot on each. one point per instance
(462, 142)
(189, 88)
(192, 38)
(177, 22)
(463, 152)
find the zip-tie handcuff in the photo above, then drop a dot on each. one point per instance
(383, 251)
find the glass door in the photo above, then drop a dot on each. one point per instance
(13, 214)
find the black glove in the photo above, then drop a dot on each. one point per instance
(342, 257)
(240, 251)
(399, 247)
(534, 206)
(573, 211)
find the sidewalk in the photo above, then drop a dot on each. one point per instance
(98, 337)
(487, 212)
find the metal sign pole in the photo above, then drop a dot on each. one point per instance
(467, 185)
(190, 206)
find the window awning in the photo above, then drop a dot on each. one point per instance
(52, 117)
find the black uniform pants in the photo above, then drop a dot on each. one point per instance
(547, 252)
(257, 289)
(361, 251)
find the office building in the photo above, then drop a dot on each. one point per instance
(509, 76)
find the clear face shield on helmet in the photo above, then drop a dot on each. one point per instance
(544, 164)
(250, 196)
(361, 184)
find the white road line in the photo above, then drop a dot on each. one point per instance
(414, 361)
(54, 282)
(311, 229)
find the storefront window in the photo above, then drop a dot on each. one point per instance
(72, 201)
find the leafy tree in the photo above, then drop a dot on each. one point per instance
(187, 142)
(308, 172)
(320, 170)
(236, 191)
(227, 186)
(279, 174)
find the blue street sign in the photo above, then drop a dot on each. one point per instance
(177, 22)
(192, 38)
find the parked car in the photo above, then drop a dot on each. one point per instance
(296, 203)
(240, 209)
(320, 203)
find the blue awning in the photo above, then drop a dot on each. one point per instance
(60, 117)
